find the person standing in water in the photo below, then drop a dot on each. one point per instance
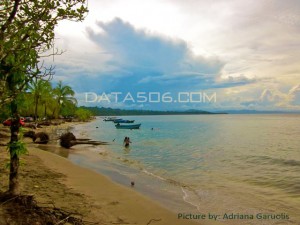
(127, 141)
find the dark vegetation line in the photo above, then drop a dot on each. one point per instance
(102, 111)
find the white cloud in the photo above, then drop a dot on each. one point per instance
(247, 49)
(294, 95)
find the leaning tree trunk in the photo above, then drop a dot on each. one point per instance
(14, 158)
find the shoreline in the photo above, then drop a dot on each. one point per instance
(160, 191)
(53, 179)
(231, 199)
(169, 193)
(112, 199)
(90, 158)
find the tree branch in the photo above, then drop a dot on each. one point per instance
(10, 18)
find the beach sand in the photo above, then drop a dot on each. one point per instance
(108, 201)
(54, 180)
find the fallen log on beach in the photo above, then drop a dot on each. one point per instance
(68, 140)
(83, 139)
(38, 138)
(91, 142)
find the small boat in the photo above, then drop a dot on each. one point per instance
(131, 126)
(110, 119)
(123, 121)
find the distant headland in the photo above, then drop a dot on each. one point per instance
(102, 111)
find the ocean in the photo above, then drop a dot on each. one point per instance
(234, 165)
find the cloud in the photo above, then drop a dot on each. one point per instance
(136, 50)
(270, 99)
(147, 61)
(221, 45)
(294, 95)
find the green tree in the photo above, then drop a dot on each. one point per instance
(83, 114)
(26, 36)
(25, 101)
(64, 96)
(68, 109)
(41, 91)
(47, 98)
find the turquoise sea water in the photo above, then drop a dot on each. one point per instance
(241, 164)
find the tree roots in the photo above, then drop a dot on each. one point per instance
(23, 209)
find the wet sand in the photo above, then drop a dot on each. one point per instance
(108, 201)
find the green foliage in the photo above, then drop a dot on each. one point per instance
(43, 100)
(17, 148)
(27, 35)
(83, 114)
(41, 91)
(64, 96)
(68, 109)
(4, 113)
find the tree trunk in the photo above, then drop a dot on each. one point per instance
(14, 158)
(45, 112)
(36, 107)
(53, 113)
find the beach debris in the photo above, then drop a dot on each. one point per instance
(68, 140)
(38, 138)
(45, 123)
(31, 125)
(153, 220)
(132, 183)
(29, 134)
(19, 205)
(49, 123)
(41, 138)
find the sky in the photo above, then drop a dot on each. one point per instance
(242, 54)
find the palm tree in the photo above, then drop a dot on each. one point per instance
(64, 95)
(40, 89)
(47, 97)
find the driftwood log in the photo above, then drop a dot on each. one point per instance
(39, 138)
(68, 140)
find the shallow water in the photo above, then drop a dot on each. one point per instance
(241, 164)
